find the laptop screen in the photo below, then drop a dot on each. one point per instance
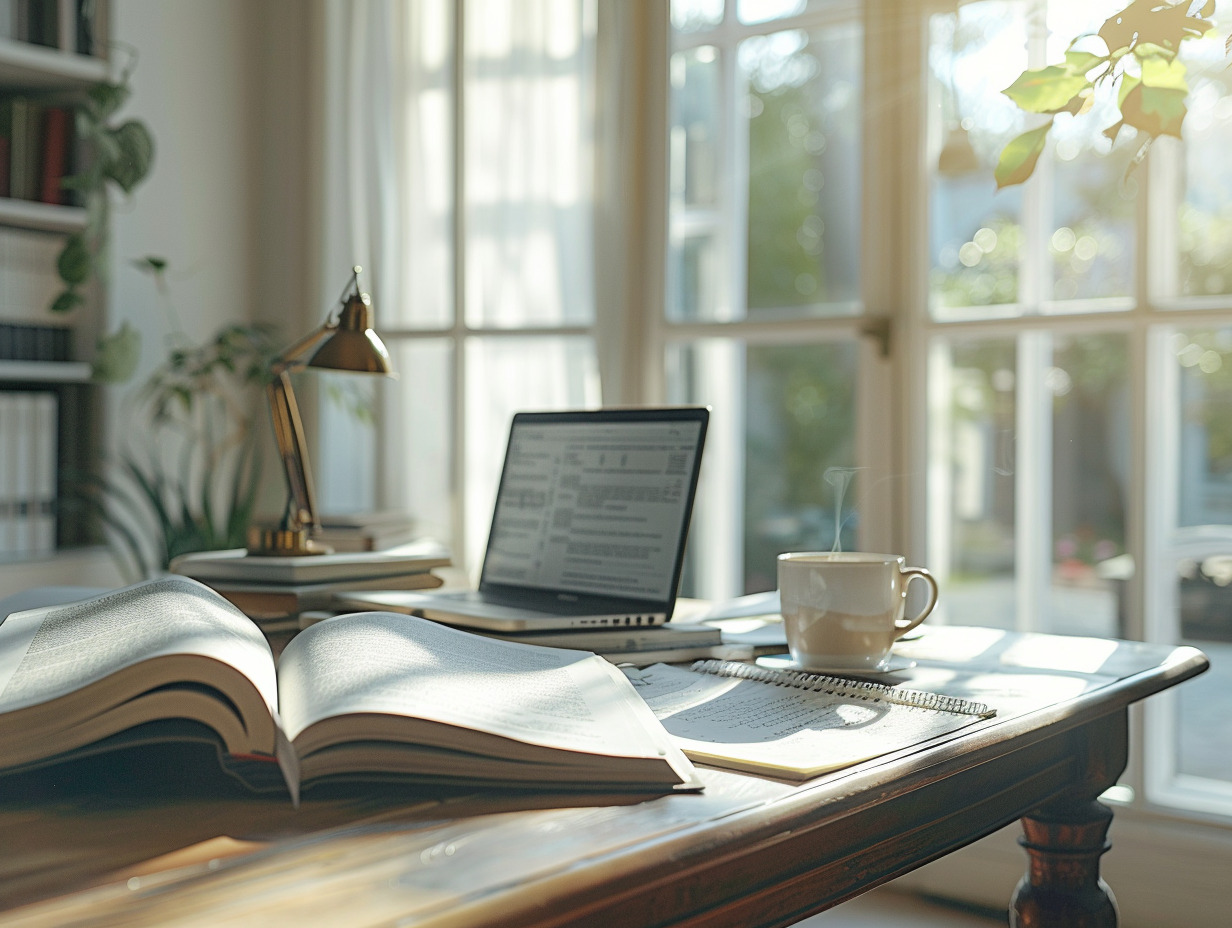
(596, 503)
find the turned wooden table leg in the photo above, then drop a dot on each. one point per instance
(1062, 887)
(1065, 838)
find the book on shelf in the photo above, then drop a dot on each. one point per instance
(791, 724)
(38, 22)
(39, 143)
(237, 565)
(365, 695)
(57, 124)
(28, 428)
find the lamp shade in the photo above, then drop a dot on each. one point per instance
(353, 345)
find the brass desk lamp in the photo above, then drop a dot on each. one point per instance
(347, 343)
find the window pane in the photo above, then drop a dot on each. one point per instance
(424, 277)
(1204, 732)
(1205, 416)
(763, 11)
(695, 277)
(972, 489)
(1090, 479)
(692, 15)
(976, 232)
(1092, 241)
(804, 150)
(504, 376)
(419, 448)
(344, 468)
(783, 440)
(799, 452)
(696, 128)
(696, 273)
(1205, 211)
(529, 134)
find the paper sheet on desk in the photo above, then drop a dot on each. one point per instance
(755, 604)
(751, 620)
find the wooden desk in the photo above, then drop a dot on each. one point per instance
(748, 851)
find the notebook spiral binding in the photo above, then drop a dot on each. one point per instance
(838, 686)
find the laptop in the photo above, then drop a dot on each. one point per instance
(589, 526)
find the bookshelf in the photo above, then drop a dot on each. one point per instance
(50, 416)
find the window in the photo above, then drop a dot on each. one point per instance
(765, 305)
(1026, 390)
(1077, 335)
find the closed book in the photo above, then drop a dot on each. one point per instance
(8, 473)
(55, 148)
(24, 149)
(42, 520)
(265, 600)
(236, 565)
(23, 466)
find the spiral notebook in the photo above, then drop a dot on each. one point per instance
(792, 724)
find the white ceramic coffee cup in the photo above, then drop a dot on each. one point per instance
(843, 610)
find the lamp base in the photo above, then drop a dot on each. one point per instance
(283, 542)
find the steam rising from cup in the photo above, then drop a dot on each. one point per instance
(840, 479)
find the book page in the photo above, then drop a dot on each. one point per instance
(751, 725)
(50, 652)
(379, 662)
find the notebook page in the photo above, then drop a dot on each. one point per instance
(781, 730)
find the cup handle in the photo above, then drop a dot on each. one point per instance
(902, 626)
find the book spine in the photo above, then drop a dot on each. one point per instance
(43, 461)
(24, 149)
(56, 124)
(840, 686)
(23, 463)
(8, 474)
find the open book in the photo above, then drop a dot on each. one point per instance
(368, 694)
(792, 724)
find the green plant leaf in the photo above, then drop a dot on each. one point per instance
(1046, 90)
(1155, 110)
(1019, 156)
(74, 263)
(117, 355)
(1081, 63)
(1164, 73)
(133, 156)
(67, 301)
(151, 264)
(104, 99)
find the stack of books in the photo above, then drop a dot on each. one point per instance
(368, 531)
(675, 642)
(274, 591)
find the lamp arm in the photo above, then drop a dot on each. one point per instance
(293, 357)
(293, 449)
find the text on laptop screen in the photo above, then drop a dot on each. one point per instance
(593, 507)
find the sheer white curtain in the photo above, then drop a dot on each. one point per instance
(359, 224)
(459, 169)
(528, 161)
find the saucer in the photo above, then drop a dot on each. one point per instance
(785, 662)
